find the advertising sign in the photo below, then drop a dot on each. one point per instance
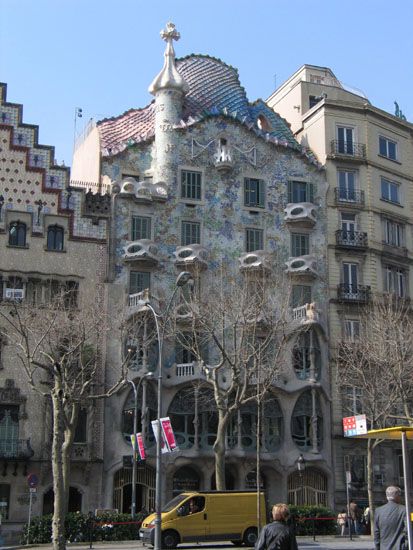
(168, 442)
(141, 447)
(354, 425)
(168, 434)
(164, 448)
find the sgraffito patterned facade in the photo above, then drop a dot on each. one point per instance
(50, 236)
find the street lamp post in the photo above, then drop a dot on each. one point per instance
(183, 278)
(301, 468)
(135, 429)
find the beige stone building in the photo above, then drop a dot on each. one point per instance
(52, 236)
(368, 157)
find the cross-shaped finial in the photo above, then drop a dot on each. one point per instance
(170, 33)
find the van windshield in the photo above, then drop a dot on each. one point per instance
(174, 503)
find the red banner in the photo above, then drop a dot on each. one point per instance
(141, 446)
(168, 434)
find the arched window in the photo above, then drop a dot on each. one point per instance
(306, 344)
(251, 481)
(185, 479)
(74, 505)
(273, 424)
(17, 234)
(129, 410)
(188, 403)
(81, 427)
(55, 235)
(305, 420)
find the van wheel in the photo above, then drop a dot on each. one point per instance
(250, 536)
(170, 539)
(237, 542)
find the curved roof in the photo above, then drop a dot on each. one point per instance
(214, 90)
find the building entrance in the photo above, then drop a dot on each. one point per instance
(145, 489)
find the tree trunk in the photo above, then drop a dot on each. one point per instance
(69, 435)
(219, 450)
(58, 524)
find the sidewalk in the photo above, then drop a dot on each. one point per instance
(321, 542)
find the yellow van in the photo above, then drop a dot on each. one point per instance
(208, 516)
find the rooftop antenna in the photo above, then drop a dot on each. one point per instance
(78, 114)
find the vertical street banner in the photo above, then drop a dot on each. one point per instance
(168, 434)
(164, 447)
(168, 441)
(354, 425)
(141, 446)
(133, 442)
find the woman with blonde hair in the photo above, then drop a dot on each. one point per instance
(277, 535)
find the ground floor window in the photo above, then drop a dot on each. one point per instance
(4, 500)
(75, 501)
(185, 479)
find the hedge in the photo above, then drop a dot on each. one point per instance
(321, 526)
(77, 528)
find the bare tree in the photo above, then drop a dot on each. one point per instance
(58, 347)
(378, 365)
(238, 326)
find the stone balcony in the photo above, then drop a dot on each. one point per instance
(254, 261)
(302, 214)
(143, 250)
(302, 266)
(191, 255)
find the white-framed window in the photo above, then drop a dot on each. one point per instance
(300, 244)
(300, 191)
(190, 233)
(352, 400)
(139, 281)
(390, 191)
(141, 228)
(191, 185)
(348, 222)
(352, 329)
(254, 193)
(347, 185)
(350, 277)
(254, 239)
(345, 140)
(395, 280)
(387, 148)
(393, 233)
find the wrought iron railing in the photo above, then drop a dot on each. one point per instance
(348, 149)
(353, 293)
(353, 196)
(15, 449)
(351, 239)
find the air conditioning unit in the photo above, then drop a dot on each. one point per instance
(14, 294)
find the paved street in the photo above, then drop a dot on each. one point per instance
(305, 543)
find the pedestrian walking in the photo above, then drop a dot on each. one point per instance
(355, 517)
(390, 522)
(342, 521)
(277, 535)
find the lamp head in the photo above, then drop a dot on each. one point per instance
(301, 463)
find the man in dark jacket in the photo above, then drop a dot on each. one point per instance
(277, 535)
(390, 522)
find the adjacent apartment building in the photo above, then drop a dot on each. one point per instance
(202, 178)
(368, 158)
(52, 239)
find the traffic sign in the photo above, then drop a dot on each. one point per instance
(32, 480)
(32, 490)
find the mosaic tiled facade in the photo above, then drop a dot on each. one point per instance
(202, 123)
(50, 232)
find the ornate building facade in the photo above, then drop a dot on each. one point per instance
(52, 236)
(201, 177)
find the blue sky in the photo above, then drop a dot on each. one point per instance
(101, 55)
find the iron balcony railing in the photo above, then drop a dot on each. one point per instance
(353, 293)
(351, 239)
(349, 196)
(348, 149)
(15, 449)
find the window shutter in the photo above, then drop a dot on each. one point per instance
(261, 193)
(290, 191)
(311, 192)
